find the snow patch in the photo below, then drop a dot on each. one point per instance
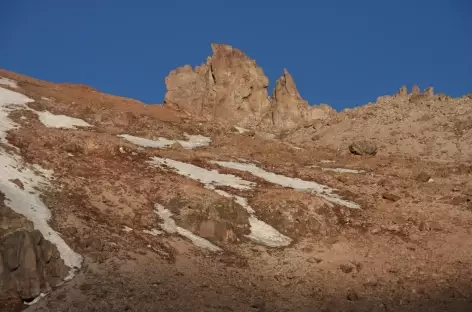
(28, 203)
(205, 176)
(35, 300)
(265, 234)
(10, 101)
(292, 146)
(295, 183)
(153, 232)
(60, 121)
(339, 170)
(261, 232)
(170, 227)
(193, 141)
(26, 200)
(242, 201)
(8, 82)
(241, 130)
(343, 170)
(326, 161)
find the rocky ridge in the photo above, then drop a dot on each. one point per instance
(232, 88)
(417, 124)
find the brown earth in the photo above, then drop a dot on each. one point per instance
(407, 249)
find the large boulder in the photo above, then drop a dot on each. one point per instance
(363, 148)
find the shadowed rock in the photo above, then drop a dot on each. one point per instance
(29, 264)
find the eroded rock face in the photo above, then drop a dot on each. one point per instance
(29, 265)
(429, 91)
(289, 109)
(232, 88)
(229, 86)
(403, 92)
(287, 102)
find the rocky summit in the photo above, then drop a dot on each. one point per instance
(227, 199)
(231, 87)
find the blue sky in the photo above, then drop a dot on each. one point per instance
(341, 52)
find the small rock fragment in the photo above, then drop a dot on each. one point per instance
(391, 197)
(393, 228)
(347, 268)
(376, 230)
(423, 177)
(371, 282)
(176, 146)
(352, 296)
(18, 183)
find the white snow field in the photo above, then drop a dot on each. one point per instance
(169, 226)
(295, 183)
(8, 82)
(27, 201)
(193, 141)
(60, 121)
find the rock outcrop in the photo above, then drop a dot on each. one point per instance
(232, 88)
(29, 265)
(229, 86)
(415, 96)
(429, 91)
(289, 110)
(403, 91)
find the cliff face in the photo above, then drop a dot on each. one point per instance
(231, 87)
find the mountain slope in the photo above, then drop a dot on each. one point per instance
(168, 211)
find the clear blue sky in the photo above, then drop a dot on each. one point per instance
(341, 52)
